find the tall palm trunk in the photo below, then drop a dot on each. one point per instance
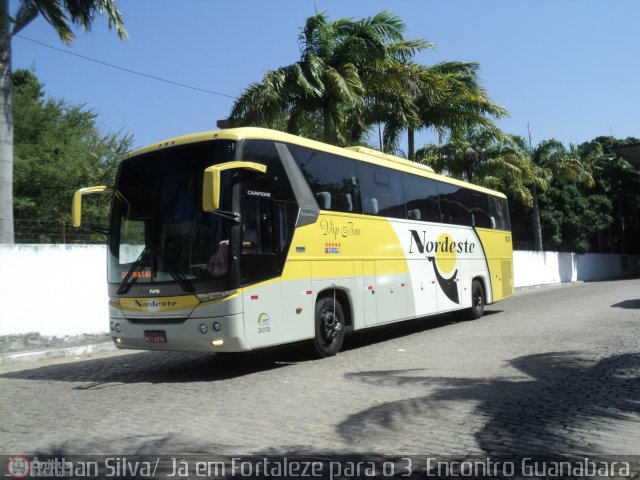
(6, 129)
(537, 226)
(621, 228)
(329, 126)
(411, 144)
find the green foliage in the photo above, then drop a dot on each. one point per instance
(58, 149)
(487, 157)
(61, 14)
(570, 219)
(619, 181)
(343, 65)
(587, 197)
(447, 97)
(592, 203)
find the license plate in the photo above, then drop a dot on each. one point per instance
(155, 336)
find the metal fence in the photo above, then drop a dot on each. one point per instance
(54, 231)
(523, 246)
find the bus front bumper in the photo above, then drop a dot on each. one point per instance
(217, 334)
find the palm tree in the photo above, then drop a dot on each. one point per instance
(554, 161)
(336, 74)
(486, 156)
(60, 14)
(448, 97)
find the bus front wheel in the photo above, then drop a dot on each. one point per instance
(329, 328)
(477, 300)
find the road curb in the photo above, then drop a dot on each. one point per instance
(56, 353)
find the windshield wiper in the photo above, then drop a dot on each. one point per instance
(182, 281)
(125, 285)
(140, 261)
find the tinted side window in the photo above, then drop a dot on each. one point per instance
(421, 198)
(499, 212)
(275, 181)
(381, 191)
(477, 204)
(452, 205)
(257, 258)
(333, 179)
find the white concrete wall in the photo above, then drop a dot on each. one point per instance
(55, 290)
(541, 268)
(59, 290)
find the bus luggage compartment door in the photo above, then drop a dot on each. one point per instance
(369, 286)
(391, 291)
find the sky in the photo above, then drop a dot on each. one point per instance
(567, 69)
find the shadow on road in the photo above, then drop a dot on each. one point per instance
(181, 367)
(150, 367)
(631, 304)
(568, 400)
(383, 333)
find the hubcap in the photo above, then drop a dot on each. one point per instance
(330, 325)
(477, 299)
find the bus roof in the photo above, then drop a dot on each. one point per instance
(357, 153)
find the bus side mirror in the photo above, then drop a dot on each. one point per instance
(212, 181)
(76, 203)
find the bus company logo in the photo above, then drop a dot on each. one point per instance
(155, 304)
(335, 230)
(264, 323)
(444, 246)
(332, 248)
(18, 467)
(443, 255)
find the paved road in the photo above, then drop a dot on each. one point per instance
(552, 370)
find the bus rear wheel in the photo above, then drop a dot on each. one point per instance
(329, 326)
(477, 300)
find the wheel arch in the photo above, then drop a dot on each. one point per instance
(343, 297)
(483, 282)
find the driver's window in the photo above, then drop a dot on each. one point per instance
(257, 259)
(257, 227)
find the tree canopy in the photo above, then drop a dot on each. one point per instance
(590, 202)
(354, 74)
(58, 148)
(61, 15)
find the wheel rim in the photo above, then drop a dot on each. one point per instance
(477, 299)
(330, 325)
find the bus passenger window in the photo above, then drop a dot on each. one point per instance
(332, 179)
(499, 213)
(381, 191)
(421, 198)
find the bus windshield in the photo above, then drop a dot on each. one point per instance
(158, 231)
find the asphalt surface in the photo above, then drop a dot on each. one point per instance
(551, 370)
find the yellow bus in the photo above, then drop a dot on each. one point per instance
(245, 238)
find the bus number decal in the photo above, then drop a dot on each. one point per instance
(264, 323)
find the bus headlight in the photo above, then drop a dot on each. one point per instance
(217, 342)
(203, 328)
(217, 326)
(207, 297)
